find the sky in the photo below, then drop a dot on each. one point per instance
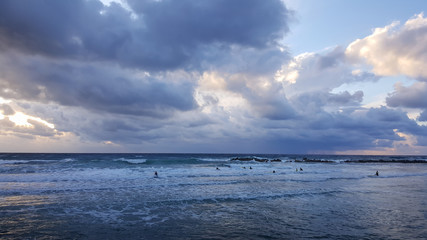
(223, 76)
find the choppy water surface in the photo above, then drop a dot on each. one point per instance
(115, 196)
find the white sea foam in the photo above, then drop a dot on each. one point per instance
(13, 161)
(214, 159)
(203, 178)
(132, 161)
(68, 160)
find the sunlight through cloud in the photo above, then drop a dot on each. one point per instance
(21, 119)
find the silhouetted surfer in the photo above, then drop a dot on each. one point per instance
(155, 174)
(300, 169)
(376, 174)
(217, 168)
(274, 171)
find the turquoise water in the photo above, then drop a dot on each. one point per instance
(116, 196)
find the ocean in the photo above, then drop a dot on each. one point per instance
(212, 196)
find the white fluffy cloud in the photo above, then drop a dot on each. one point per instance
(395, 49)
(398, 50)
(311, 72)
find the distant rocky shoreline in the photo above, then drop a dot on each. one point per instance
(246, 159)
(386, 161)
(307, 160)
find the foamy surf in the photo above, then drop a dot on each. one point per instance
(132, 161)
(118, 196)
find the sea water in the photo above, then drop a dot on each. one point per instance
(211, 196)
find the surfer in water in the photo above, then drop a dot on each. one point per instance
(377, 174)
(155, 174)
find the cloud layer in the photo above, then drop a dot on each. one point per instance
(392, 50)
(198, 76)
(163, 35)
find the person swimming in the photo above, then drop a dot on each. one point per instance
(274, 171)
(217, 168)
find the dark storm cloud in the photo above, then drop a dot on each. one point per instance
(119, 130)
(312, 103)
(163, 35)
(186, 22)
(73, 52)
(387, 120)
(243, 60)
(345, 98)
(378, 123)
(370, 130)
(91, 86)
(274, 107)
(384, 114)
(413, 96)
(316, 130)
(324, 98)
(51, 27)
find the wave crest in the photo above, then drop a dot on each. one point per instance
(132, 160)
